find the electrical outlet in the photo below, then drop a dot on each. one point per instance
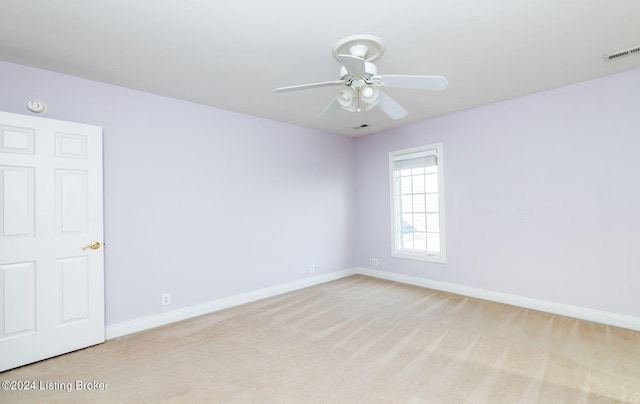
(312, 269)
(374, 261)
(166, 299)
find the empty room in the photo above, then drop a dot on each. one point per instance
(330, 202)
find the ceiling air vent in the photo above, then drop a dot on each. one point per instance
(622, 53)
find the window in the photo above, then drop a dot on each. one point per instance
(417, 202)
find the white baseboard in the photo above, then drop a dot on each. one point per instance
(156, 320)
(599, 316)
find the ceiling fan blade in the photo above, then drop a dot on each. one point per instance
(312, 85)
(390, 107)
(330, 109)
(354, 65)
(437, 83)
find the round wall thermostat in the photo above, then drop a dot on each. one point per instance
(35, 106)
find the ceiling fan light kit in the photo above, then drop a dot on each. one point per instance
(362, 84)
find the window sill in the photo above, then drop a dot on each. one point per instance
(419, 256)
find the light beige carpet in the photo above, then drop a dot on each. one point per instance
(355, 340)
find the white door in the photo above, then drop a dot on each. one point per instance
(51, 276)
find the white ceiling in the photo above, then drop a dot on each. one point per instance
(232, 54)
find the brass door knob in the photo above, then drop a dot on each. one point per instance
(94, 246)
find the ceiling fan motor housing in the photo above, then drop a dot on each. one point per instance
(370, 69)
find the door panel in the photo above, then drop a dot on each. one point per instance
(74, 281)
(18, 286)
(71, 191)
(52, 288)
(17, 201)
(16, 140)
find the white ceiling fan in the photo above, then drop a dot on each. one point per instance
(362, 85)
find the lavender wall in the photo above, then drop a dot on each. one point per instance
(201, 202)
(542, 195)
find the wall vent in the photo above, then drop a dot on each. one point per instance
(622, 53)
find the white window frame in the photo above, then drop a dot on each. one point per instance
(396, 221)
